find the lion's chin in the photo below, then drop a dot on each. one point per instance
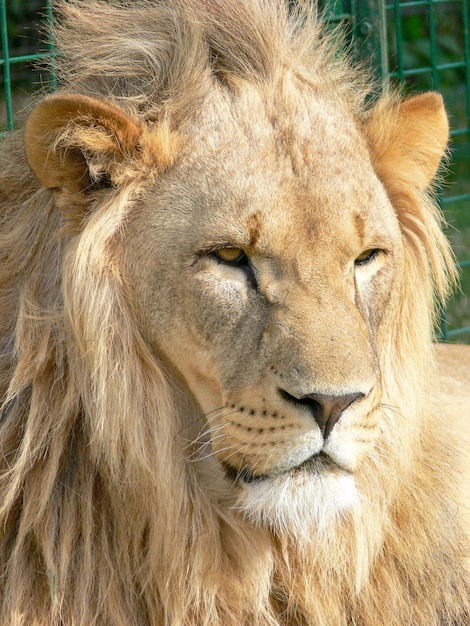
(305, 500)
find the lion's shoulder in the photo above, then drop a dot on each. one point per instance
(454, 378)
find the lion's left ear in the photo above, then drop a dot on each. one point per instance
(407, 140)
(74, 141)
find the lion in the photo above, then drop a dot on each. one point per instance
(221, 269)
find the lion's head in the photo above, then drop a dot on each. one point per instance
(224, 321)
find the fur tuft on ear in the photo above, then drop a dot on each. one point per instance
(74, 141)
(408, 139)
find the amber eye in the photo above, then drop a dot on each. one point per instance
(366, 257)
(230, 255)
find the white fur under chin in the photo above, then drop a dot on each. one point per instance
(299, 504)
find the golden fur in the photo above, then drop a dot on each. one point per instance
(219, 261)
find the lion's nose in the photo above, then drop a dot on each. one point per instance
(325, 409)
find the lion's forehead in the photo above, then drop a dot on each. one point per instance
(298, 160)
(298, 133)
(258, 110)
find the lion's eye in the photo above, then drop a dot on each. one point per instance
(230, 255)
(366, 257)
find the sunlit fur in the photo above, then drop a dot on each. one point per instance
(105, 518)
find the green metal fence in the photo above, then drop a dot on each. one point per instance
(22, 45)
(423, 43)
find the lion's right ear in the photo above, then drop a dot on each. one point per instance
(74, 141)
(408, 140)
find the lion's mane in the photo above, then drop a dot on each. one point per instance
(104, 519)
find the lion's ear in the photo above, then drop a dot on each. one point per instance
(408, 140)
(73, 141)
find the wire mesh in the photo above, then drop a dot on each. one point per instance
(22, 46)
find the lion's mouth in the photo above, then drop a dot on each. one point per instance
(315, 464)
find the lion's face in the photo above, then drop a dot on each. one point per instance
(262, 266)
(260, 252)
